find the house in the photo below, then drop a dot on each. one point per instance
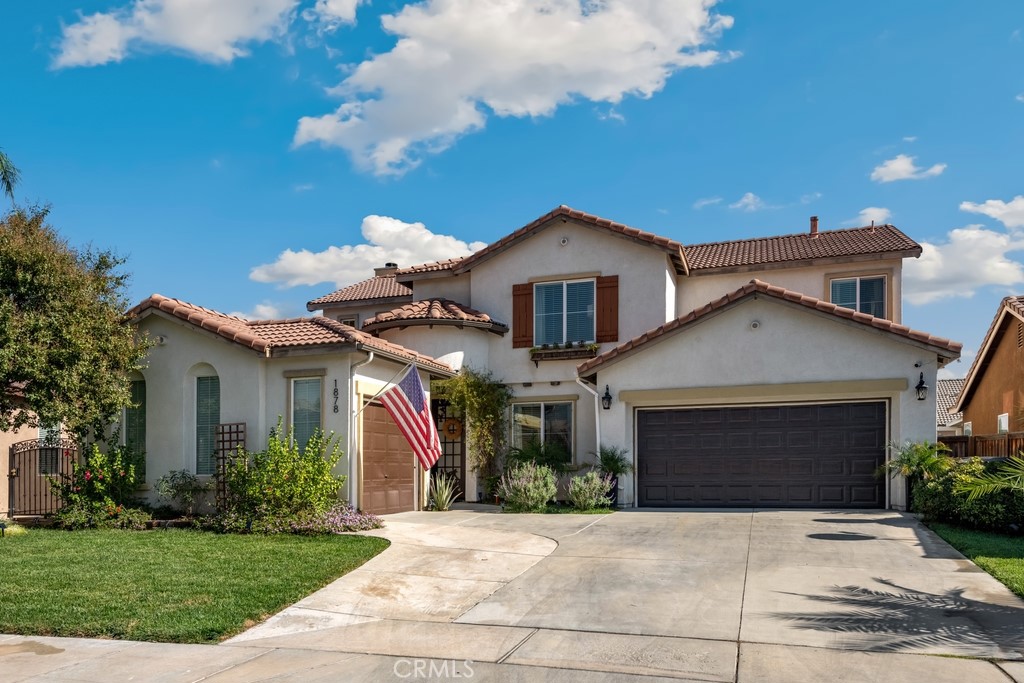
(947, 391)
(770, 371)
(214, 382)
(992, 397)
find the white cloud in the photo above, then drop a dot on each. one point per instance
(387, 239)
(211, 30)
(1010, 214)
(959, 368)
(910, 138)
(707, 201)
(303, 187)
(902, 167)
(1020, 97)
(262, 311)
(749, 202)
(872, 214)
(972, 257)
(812, 197)
(457, 61)
(330, 14)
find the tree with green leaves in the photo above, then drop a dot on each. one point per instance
(66, 353)
(9, 175)
(1009, 476)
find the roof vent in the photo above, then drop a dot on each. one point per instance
(389, 268)
(814, 226)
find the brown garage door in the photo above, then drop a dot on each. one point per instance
(388, 465)
(767, 456)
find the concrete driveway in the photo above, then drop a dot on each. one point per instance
(686, 595)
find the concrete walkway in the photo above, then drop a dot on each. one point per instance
(752, 596)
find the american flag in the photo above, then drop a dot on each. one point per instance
(408, 407)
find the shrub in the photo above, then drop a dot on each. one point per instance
(443, 491)
(527, 487)
(283, 480)
(341, 518)
(938, 500)
(590, 491)
(181, 487)
(612, 460)
(95, 515)
(98, 493)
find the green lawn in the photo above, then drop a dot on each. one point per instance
(166, 585)
(1001, 556)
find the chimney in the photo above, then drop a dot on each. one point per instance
(814, 226)
(388, 269)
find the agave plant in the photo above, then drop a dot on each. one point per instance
(444, 489)
(1009, 476)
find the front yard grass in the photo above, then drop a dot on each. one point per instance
(1000, 555)
(166, 585)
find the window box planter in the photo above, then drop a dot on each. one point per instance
(539, 353)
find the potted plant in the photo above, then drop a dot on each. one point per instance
(613, 462)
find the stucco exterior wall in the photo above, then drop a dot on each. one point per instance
(468, 347)
(454, 287)
(1000, 389)
(697, 290)
(794, 355)
(360, 313)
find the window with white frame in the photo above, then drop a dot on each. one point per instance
(864, 294)
(546, 423)
(968, 429)
(350, 321)
(307, 404)
(1003, 423)
(563, 312)
(207, 419)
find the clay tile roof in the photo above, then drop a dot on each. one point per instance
(265, 336)
(433, 266)
(671, 247)
(755, 287)
(946, 393)
(434, 312)
(879, 239)
(377, 287)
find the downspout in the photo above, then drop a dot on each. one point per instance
(353, 470)
(597, 412)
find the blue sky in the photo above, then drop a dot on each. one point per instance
(249, 155)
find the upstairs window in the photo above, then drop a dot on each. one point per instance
(864, 294)
(563, 312)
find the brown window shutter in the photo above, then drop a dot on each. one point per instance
(522, 316)
(608, 308)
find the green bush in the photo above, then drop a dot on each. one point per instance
(527, 487)
(95, 515)
(182, 488)
(937, 500)
(444, 489)
(283, 480)
(590, 491)
(98, 493)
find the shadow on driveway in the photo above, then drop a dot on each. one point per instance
(900, 619)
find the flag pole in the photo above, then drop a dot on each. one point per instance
(387, 385)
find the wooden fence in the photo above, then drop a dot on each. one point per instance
(990, 446)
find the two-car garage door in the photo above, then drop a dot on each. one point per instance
(804, 455)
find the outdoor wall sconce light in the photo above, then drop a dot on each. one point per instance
(606, 400)
(921, 389)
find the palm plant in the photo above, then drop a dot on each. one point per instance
(9, 175)
(1009, 476)
(917, 461)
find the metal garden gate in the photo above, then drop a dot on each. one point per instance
(33, 464)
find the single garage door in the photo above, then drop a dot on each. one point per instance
(820, 455)
(388, 465)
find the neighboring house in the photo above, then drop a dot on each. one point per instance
(215, 381)
(947, 391)
(769, 372)
(992, 398)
